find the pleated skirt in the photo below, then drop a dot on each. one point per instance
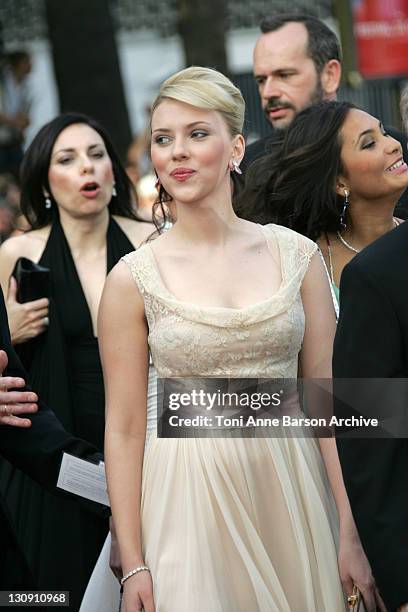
(240, 525)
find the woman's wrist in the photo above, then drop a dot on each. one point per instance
(348, 531)
(347, 525)
(130, 552)
(130, 563)
(134, 572)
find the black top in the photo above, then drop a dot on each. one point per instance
(66, 360)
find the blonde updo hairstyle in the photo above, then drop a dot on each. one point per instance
(207, 89)
(203, 88)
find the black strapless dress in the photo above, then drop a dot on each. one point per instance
(62, 540)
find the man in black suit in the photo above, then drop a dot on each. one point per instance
(36, 449)
(297, 63)
(372, 342)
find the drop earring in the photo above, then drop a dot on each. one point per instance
(157, 183)
(114, 192)
(343, 215)
(235, 167)
(48, 202)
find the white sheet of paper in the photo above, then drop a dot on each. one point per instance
(83, 478)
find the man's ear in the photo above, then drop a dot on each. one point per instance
(330, 79)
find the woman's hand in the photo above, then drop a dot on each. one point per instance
(355, 569)
(138, 593)
(114, 557)
(27, 320)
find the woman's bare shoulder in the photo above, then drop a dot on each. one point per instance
(136, 231)
(30, 244)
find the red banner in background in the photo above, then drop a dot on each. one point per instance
(381, 31)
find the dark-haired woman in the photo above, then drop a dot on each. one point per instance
(337, 180)
(77, 199)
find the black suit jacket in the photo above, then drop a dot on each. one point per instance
(259, 148)
(372, 342)
(37, 451)
(269, 144)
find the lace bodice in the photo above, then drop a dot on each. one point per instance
(262, 340)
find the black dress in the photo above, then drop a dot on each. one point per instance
(60, 539)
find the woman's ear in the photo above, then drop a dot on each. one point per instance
(342, 187)
(238, 148)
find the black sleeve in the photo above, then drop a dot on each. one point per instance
(368, 344)
(37, 451)
(368, 339)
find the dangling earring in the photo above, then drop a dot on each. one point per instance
(235, 167)
(114, 192)
(343, 215)
(157, 184)
(48, 202)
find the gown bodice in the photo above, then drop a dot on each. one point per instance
(262, 340)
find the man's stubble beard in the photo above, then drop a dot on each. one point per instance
(316, 96)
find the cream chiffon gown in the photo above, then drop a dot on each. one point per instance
(232, 524)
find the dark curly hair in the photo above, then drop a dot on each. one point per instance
(296, 185)
(35, 166)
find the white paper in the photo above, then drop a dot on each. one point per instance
(83, 478)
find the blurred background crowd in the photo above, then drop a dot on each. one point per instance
(107, 58)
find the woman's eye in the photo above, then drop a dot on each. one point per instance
(162, 140)
(369, 145)
(199, 134)
(64, 160)
(98, 154)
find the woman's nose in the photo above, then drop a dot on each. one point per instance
(86, 164)
(392, 145)
(180, 149)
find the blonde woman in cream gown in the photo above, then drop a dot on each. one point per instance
(224, 524)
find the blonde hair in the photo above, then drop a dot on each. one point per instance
(404, 107)
(207, 89)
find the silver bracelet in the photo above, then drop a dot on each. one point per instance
(141, 568)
